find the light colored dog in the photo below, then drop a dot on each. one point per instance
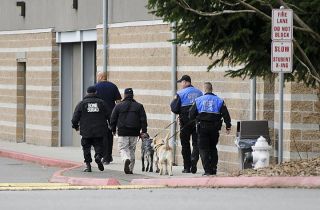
(163, 155)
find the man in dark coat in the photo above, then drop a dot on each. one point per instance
(129, 119)
(91, 115)
(108, 92)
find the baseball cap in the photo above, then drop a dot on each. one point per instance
(185, 78)
(128, 91)
(91, 89)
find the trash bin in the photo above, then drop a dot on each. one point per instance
(247, 134)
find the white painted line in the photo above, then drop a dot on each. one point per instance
(134, 24)
(29, 49)
(42, 127)
(143, 45)
(8, 68)
(288, 97)
(42, 88)
(143, 92)
(42, 108)
(11, 87)
(296, 126)
(33, 31)
(165, 117)
(31, 68)
(11, 105)
(166, 68)
(137, 68)
(43, 68)
(204, 68)
(7, 123)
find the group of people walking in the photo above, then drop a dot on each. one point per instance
(102, 113)
(200, 116)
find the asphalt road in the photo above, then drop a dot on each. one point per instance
(160, 199)
(18, 171)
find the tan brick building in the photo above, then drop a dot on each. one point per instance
(45, 67)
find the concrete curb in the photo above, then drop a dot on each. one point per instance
(50, 162)
(58, 176)
(235, 182)
(80, 181)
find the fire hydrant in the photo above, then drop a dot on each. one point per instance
(261, 153)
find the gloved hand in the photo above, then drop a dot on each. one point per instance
(144, 135)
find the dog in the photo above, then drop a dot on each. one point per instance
(147, 152)
(163, 156)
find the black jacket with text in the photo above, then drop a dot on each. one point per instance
(91, 114)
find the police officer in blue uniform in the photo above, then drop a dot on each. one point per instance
(208, 110)
(181, 105)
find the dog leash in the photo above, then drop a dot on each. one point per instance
(165, 128)
(181, 130)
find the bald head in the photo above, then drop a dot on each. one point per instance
(101, 76)
(207, 86)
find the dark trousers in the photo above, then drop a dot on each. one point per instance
(189, 158)
(87, 143)
(208, 140)
(107, 146)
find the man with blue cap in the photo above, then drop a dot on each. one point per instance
(181, 105)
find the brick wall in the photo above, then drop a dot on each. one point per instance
(42, 85)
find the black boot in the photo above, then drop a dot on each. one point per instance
(88, 168)
(186, 170)
(194, 168)
(126, 166)
(100, 164)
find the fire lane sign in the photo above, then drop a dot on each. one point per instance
(281, 35)
(282, 24)
(281, 57)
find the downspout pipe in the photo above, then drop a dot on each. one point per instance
(173, 87)
(105, 34)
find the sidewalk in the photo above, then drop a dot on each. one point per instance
(70, 160)
(74, 154)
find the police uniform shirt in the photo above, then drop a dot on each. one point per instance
(188, 95)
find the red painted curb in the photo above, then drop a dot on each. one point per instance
(234, 182)
(37, 159)
(58, 176)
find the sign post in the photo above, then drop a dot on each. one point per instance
(281, 58)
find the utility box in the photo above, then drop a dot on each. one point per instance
(247, 134)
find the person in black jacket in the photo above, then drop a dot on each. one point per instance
(209, 110)
(91, 114)
(108, 92)
(129, 119)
